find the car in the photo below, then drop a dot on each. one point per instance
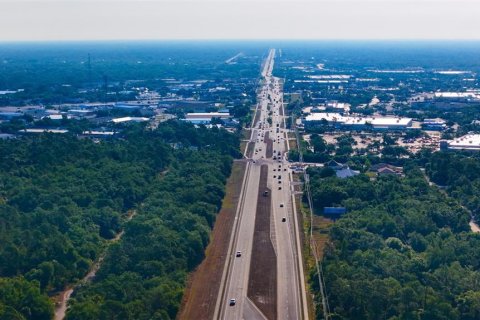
(281, 205)
(284, 219)
(238, 254)
(232, 302)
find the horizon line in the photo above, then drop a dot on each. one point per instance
(247, 39)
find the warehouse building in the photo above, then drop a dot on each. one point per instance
(434, 124)
(206, 117)
(467, 142)
(356, 122)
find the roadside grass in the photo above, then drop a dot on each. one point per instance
(243, 146)
(320, 236)
(292, 141)
(203, 284)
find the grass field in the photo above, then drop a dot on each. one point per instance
(292, 141)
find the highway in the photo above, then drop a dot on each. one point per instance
(284, 227)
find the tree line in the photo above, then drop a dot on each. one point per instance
(62, 198)
(402, 251)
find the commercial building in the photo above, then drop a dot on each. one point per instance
(128, 107)
(99, 134)
(82, 113)
(467, 142)
(10, 115)
(206, 117)
(434, 124)
(40, 130)
(356, 122)
(458, 96)
(338, 107)
(130, 119)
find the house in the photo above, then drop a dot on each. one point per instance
(334, 165)
(386, 169)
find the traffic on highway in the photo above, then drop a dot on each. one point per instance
(263, 277)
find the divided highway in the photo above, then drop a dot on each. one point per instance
(270, 140)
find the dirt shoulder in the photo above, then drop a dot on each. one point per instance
(203, 284)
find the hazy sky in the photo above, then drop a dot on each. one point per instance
(239, 19)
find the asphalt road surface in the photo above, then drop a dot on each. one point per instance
(284, 233)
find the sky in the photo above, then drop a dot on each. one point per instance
(38, 20)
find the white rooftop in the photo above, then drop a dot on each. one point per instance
(352, 120)
(55, 117)
(35, 130)
(199, 115)
(457, 95)
(129, 119)
(469, 141)
(102, 133)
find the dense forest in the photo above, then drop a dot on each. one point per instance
(402, 251)
(460, 174)
(63, 198)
